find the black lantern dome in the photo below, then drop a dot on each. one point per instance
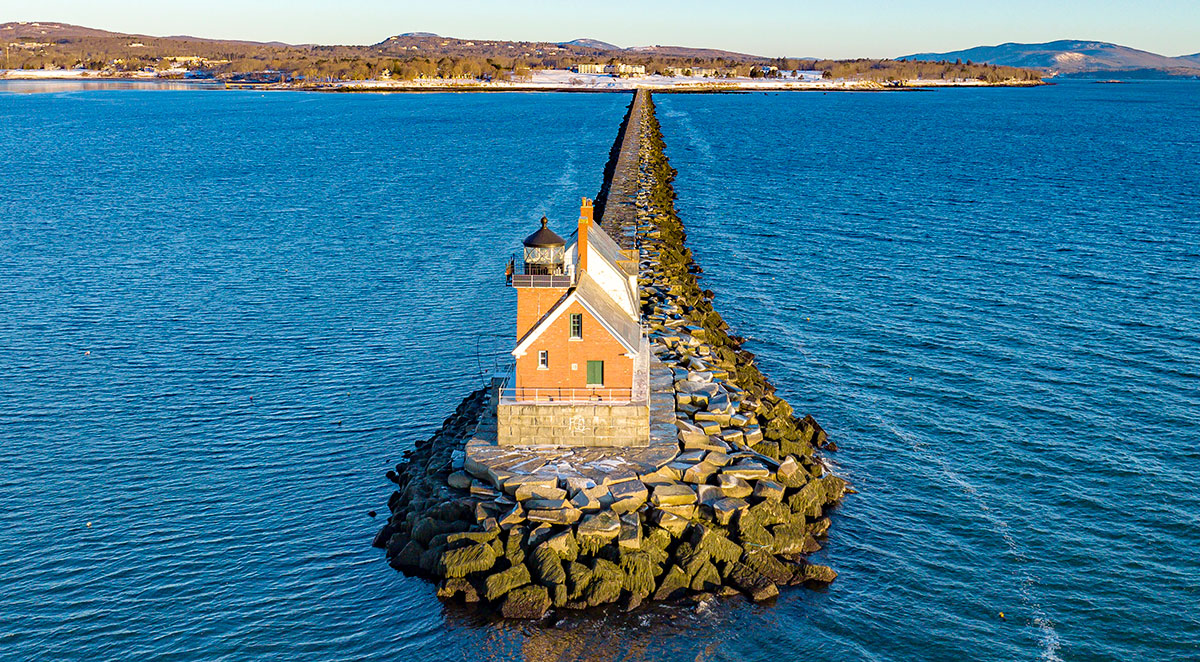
(544, 237)
(544, 251)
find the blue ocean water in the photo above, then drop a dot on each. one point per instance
(223, 315)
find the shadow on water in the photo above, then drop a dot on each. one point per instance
(684, 630)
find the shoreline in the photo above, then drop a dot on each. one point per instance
(849, 86)
(552, 84)
(575, 90)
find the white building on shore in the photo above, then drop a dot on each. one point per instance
(704, 72)
(619, 69)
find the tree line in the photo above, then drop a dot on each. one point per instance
(901, 70)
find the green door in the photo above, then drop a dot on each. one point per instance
(595, 373)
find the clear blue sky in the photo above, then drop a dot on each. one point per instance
(840, 29)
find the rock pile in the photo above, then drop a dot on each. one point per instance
(735, 511)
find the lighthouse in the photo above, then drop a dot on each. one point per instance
(581, 358)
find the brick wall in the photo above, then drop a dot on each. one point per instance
(533, 303)
(596, 345)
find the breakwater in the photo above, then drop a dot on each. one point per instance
(729, 499)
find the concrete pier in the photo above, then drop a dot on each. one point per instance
(619, 215)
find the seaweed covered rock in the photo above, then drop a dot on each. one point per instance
(462, 561)
(500, 583)
(819, 573)
(674, 583)
(579, 577)
(547, 567)
(597, 530)
(458, 587)
(526, 602)
(640, 571)
(752, 583)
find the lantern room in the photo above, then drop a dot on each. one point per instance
(545, 252)
(543, 264)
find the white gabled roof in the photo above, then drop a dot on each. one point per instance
(606, 270)
(608, 248)
(596, 301)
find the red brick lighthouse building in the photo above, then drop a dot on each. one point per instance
(581, 363)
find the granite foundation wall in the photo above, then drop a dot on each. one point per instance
(626, 425)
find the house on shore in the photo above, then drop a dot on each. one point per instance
(580, 374)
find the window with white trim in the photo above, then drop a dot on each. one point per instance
(543, 359)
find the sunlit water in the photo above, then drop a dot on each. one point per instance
(61, 85)
(223, 315)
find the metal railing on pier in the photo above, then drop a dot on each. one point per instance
(543, 395)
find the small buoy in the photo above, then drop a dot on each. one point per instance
(88, 353)
(370, 513)
(910, 379)
(1001, 614)
(89, 525)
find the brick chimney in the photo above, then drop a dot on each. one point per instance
(585, 222)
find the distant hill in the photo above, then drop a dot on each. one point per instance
(591, 43)
(685, 51)
(583, 48)
(44, 30)
(427, 44)
(57, 32)
(1073, 58)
